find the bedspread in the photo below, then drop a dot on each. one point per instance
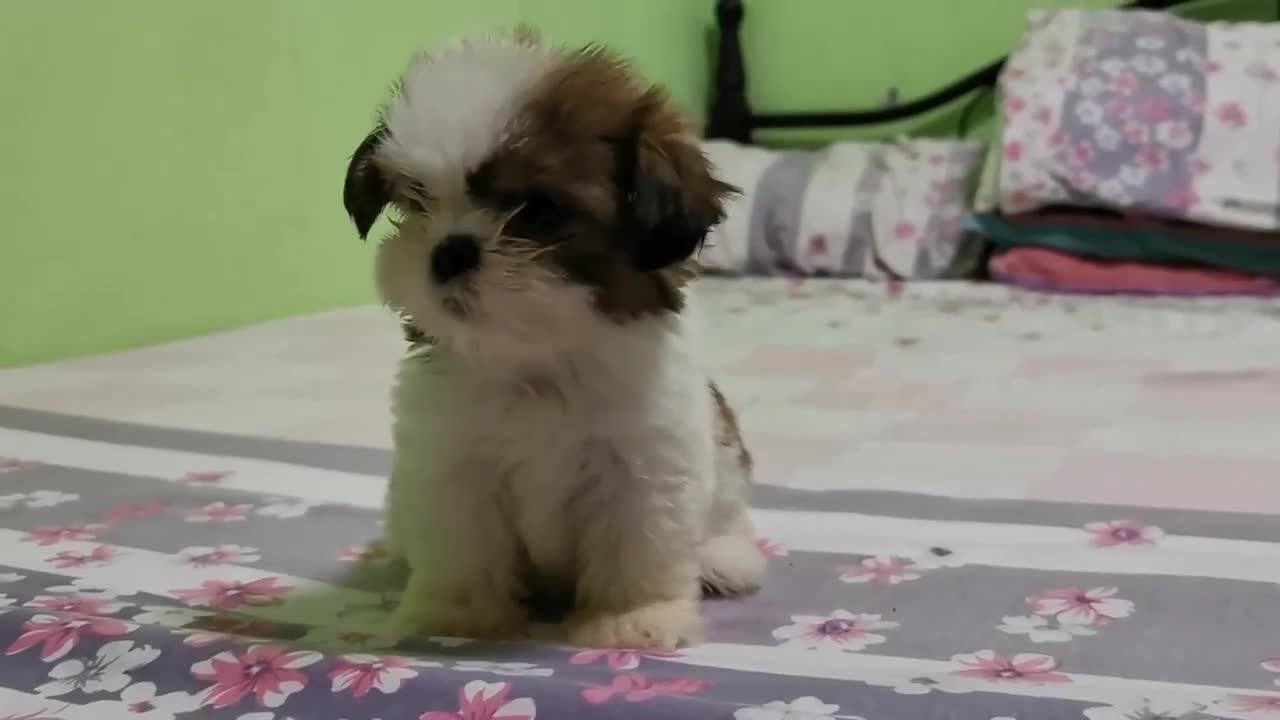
(979, 504)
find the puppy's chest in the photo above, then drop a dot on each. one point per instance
(554, 454)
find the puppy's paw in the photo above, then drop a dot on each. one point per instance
(477, 621)
(662, 625)
(731, 565)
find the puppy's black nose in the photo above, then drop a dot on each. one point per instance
(455, 255)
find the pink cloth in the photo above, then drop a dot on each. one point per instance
(1046, 269)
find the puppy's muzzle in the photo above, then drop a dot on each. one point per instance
(454, 257)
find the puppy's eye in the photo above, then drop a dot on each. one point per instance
(537, 214)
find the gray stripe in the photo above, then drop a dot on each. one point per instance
(775, 213)
(369, 461)
(307, 546)
(859, 253)
(1232, 526)
(1169, 636)
(377, 461)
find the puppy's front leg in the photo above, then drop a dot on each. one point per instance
(638, 586)
(463, 579)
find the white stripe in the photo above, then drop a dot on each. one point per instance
(892, 671)
(257, 476)
(1035, 547)
(156, 573)
(825, 207)
(1032, 547)
(728, 246)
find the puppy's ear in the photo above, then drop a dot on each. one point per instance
(366, 191)
(668, 199)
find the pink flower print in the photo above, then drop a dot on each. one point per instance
(1174, 133)
(1057, 139)
(1123, 532)
(840, 631)
(1081, 154)
(1082, 179)
(225, 627)
(1153, 158)
(770, 549)
(57, 635)
(1136, 134)
(1013, 151)
(1152, 110)
(638, 688)
(267, 672)
(135, 511)
(204, 557)
(1014, 105)
(76, 605)
(818, 244)
(224, 595)
(10, 464)
(1194, 102)
(1043, 115)
(361, 674)
(1027, 668)
(100, 556)
(894, 289)
(219, 512)
(904, 230)
(882, 569)
(1095, 606)
(54, 534)
(1265, 706)
(478, 700)
(617, 660)
(1183, 198)
(1118, 108)
(1124, 83)
(205, 478)
(1231, 115)
(1211, 67)
(1199, 167)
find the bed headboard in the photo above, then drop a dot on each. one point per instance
(730, 116)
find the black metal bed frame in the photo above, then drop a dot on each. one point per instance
(730, 116)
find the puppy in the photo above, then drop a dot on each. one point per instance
(557, 428)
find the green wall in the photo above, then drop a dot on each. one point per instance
(172, 168)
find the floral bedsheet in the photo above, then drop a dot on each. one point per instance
(979, 504)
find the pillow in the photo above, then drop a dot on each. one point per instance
(880, 211)
(1143, 111)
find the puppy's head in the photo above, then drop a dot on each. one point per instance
(536, 193)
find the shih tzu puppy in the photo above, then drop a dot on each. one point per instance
(556, 429)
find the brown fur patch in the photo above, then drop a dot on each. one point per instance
(727, 432)
(563, 149)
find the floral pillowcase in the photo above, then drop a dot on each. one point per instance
(1142, 112)
(870, 210)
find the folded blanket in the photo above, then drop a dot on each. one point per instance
(1150, 240)
(1142, 110)
(1043, 269)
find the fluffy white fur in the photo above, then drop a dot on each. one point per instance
(538, 436)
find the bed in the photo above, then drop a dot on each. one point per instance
(978, 502)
